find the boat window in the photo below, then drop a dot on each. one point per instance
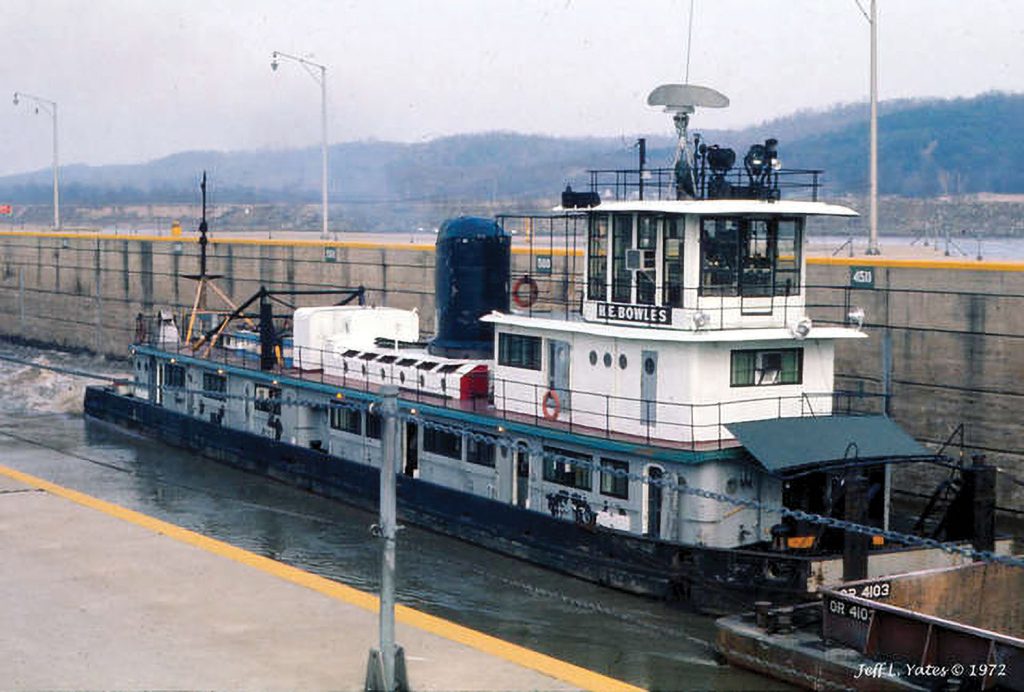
(750, 256)
(174, 376)
(406, 362)
(442, 442)
(519, 351)
(719, 251)
(426, 365)
(449, 368)
(756, 258)
(351, 353)
(597, 270)
(647, 242)
(788, 241)
(751, 368)
(613, 480)
(346, 419)
(215, 385)
(387, 359)
(622, 240)
(368, 356)
(481, 453)
(564, 471)
(672, 262)
(268, 399)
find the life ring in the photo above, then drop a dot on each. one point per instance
(551, 406)
(525, 301)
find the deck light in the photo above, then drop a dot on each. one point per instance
(801, 329)
(220, 371)
(856, 318)
(173, 361)
(273, 382)
(700, 320)
(339, 395)
(501, 429)
(413, 412)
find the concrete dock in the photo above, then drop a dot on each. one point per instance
(97, 596)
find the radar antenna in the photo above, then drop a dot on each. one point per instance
(680, 100)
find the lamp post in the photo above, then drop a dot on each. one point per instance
(872, 17)
(319, 73)
(51, 108)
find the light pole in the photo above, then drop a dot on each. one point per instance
(872, 18)
(51, 108)
(319, 73)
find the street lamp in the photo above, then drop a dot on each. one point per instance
(872, 18)
(319, 73)
(51, 108)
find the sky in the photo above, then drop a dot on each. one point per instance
(135, 80)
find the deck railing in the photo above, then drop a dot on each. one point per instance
(660, 422)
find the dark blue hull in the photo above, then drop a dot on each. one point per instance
(710, 580)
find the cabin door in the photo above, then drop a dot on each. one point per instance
(412, 450)
(159, 393)
(522, 485)
(558, 371)
(648, 387)
(654, 501)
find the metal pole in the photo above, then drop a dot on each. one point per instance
(388, 466)
(56, 173)
(873, 248)
(323, 148)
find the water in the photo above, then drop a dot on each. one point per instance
(645, 642)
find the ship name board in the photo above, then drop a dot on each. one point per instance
(647, 314)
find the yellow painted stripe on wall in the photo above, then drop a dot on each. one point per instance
(983, 266)
(542, 663)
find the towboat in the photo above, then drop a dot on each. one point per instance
(663, 421)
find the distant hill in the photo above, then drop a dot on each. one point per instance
(927, 147)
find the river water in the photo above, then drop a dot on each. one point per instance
(651, 644)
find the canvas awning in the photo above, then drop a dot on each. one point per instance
(789, 445)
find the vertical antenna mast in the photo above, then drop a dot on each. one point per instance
(689, 45)
(202, 231)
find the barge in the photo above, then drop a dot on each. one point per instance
(674, 431)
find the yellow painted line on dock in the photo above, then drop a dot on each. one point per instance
(542, 663)
(982, 266)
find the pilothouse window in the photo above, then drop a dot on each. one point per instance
(750, 256)
(597, 285)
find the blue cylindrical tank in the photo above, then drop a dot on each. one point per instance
(471, 279)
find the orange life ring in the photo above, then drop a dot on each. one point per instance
(551, 406)
(525, 301)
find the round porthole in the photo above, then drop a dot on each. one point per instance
(649, 366)
(593, 357)
(607, 360)
(622, 361)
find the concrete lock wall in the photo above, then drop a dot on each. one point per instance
(954, 327)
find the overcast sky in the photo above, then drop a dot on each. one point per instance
(139, 79)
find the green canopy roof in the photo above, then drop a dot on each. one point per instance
(786, 445)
